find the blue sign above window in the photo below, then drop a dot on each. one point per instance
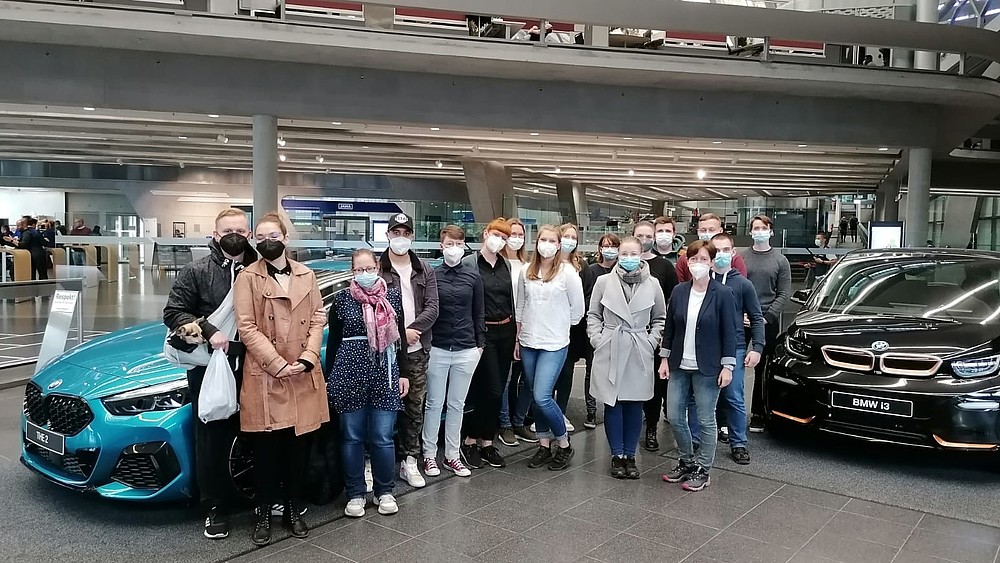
(332, 207)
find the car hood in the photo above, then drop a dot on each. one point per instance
(118, 362)
(941, 338)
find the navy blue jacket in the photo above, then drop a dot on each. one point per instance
(461, 321)
(716, 328)
(746, 303)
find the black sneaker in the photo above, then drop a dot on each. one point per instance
(262, 528)
(724, 435)
(216, 524)
(492, 457)
(508, 437)
(526, 435)
(591, 420)
(696, 480)
(756, 424)
(561, 458)
(631, 470)
(678, 473)
(651, 443)
(741, 455)
(542, 456)
(617, 467)
(471, 456)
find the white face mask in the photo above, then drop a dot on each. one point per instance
(818, 242)
(515, 243)
(664, 239)
(400, 245)
(547, 249)
(699, 270)
(453, 255)
(495, 244)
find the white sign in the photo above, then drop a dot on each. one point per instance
(64, 304)
(64, 301)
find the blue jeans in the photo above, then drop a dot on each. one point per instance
(541, 371)
(622, 426)
(373, 428)
(705, 389)
(732, 409)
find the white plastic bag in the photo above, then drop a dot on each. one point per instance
(217, 400)
(223, 318)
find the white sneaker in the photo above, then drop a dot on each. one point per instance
(431, 467)
(369, 480)
(387, 505)
(408, 472)
(355, 508)
(569, 425)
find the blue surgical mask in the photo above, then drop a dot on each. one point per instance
(723, 259)
(630, 263)
(568, 245)
(761, 236)
(705, 236)
(610, 254)
(366, 279)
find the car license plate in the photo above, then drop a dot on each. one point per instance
(875, 405)
(45, 438)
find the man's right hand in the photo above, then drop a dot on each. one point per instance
(412, 336)
(219, 342)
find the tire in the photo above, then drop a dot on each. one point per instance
(241, 468)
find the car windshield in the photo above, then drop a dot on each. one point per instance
(959, 289)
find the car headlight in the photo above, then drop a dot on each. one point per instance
(797, 346)
(977, 367)
(162, 397)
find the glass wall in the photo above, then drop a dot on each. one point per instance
(989, 220)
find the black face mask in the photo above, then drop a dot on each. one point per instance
(233, 244)
(270, 249)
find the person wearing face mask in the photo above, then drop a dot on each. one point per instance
(280, 318)
(200, 288)
(480, 426)
(663, 271)
(579, 344)
(414, 278)
(699, 355)
(709, 225)
(624, 323)
(771, 275)
(666, 231)
(549, 302)
(365, 366)
(459, 336)
(514, 403)
(607, 254)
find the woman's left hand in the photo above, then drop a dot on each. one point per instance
(404, 387)
(725, 377)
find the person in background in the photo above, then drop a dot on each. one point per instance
(579, 345)
(458, 342)
(549, 302)
(32, 241)
(844, 230)
(821, 262)
(666, 231)
(663, 271)
(80, 229)
(96, 231)
(607, 253)
(624, 322)
(512, 429)
(769, 272)
(699, 355)
(414, 278)
(61, 229)
(709, 225)
(200, 288)
(480, 427)
(854, 228)
(280, 318)
(49, 233)
(365, 357)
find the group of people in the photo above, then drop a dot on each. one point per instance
(36, 236)
(487, 337)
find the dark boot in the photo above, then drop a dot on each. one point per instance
(651, 443)
(262, 528)
(292, 520)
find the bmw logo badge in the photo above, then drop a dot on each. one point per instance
(55, 384)
(880, 346)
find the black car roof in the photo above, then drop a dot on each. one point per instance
(933, 253)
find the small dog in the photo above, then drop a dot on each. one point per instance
(191, 332)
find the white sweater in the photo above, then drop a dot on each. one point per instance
(547, 310)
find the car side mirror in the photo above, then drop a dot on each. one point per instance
(801, 296)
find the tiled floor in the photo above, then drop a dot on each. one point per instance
(518, 514)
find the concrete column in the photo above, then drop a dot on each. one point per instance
(491, 190)
(573, 202)
(265, 165)
(918, 196)
(596, 35)
(927, 12)
(903, 58)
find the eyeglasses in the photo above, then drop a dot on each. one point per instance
(368, 270)
(270, 236)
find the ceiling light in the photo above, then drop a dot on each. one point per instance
(222, 138)
(631, 172)
(88, 108)
(282, 157)
(438, 163)
(119, 161)
(803, 146)
(281, 141)
(182, 165)
(182, 137)
(335, 123)
(627, 138)
(213, 115)
(716, 142)
(535, 190)
(558, 170)
(534, 134)
(883, 149)
(701, 174)
(364, 146)
(435, 128)
(319, 159)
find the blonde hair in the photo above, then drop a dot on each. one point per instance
(272, 217)
(520, 253)
(231, 212)
(574, 257)
(535, 265)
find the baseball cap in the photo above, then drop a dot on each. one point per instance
(401, 220)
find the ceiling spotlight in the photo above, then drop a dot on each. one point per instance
(335, 123)
(365, 146)
(533, 134)
(281, 141)
(435, 128)
(883, 149)
(88, 108)
(119, 161)
(213, 115)
(182, 165)
(716, 142)
(282, 157)
(222, 138)
(439, 164)
(631, 172)
(701, 174)
(803, 146)
(182, 137)
(535, 190)
(319, 159)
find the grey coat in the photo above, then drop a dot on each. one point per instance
(624, 334)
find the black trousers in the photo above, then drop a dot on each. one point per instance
(488, 381)
(279, 459)
(213, 442)
(40, 267)
(564, 385)
(653, 407)
(771, 332)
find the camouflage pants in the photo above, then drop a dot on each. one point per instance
(410, 421)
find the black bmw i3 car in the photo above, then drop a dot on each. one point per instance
(896, 345)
